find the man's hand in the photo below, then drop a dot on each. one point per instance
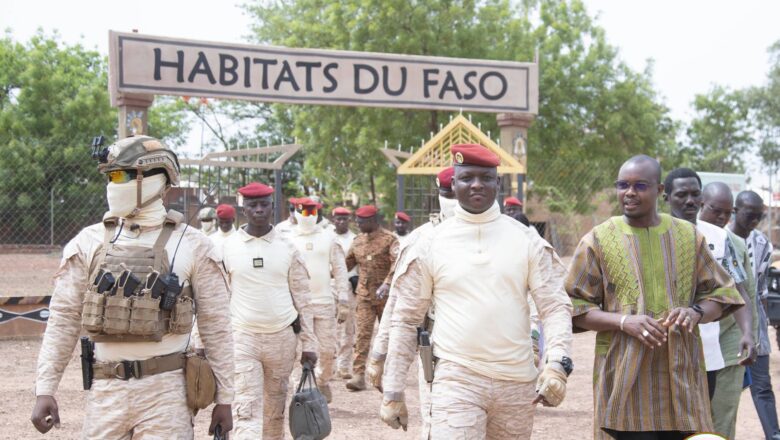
(381, 292)
(684, 317)
(551, 385)
(646, 329)
(221, 415)
(342, 312)
(374, 370)
(45, 414)
(310, 357)
(394, 413)
(748, 349)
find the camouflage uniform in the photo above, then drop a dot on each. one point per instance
(375, 255)
(346, 330)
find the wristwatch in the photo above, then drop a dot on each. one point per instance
(697, 308)
(566, 363)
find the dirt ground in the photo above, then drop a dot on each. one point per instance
(354, 415)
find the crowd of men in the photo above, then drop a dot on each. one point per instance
(677, 303)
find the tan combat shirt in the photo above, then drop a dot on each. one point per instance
(375, 255)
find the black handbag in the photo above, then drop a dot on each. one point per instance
(309, 417)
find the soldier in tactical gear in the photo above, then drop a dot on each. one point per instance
(140, 323)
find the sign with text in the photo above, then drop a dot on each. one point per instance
(168, 66)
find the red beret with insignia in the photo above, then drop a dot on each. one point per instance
(403, 216)
(308, 203)
(474, 154)
(255, 189)
(512, 201)
(226, 212)
(341, 211)
(366, 211)
(444, 178)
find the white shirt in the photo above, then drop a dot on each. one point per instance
(316, 248)
(218, 238)
(345, 241)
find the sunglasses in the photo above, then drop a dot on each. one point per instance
(124, 176)
(308, 212)
(623, 185)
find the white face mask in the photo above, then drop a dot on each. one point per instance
(306, 224)
(207, 226)
(447, 206)
(122, 196)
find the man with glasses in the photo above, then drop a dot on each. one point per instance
(373, 252)
(644, 281)
(749, 213)
(323, 257)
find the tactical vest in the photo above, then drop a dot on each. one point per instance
(121, 314)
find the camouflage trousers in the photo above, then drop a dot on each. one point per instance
(366, 313)
(325, 329)
(346, 335)
(264, 362)
(425, 402)
(153, 407)
(468, 405)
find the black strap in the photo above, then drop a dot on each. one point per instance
(307, 374)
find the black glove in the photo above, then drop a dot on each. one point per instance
(354, 281)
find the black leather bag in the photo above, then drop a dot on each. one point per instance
(309, 417)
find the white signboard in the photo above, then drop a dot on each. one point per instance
(168, 66)
(737, 182)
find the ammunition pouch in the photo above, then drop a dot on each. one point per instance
(200, 382)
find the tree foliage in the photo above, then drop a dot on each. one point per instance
(593, 108)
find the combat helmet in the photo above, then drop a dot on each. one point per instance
(140, 153)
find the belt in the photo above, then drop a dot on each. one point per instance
(126, 369)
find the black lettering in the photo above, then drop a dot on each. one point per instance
(374, 82)
(500, 94)
(286, 75)
(247, 71)
(333, 83)
(449, 85)
(308, 66)
(202, 68)
(265, 64)
(225, 70)
(427, 82)
(178, 64)
(472, 89)
(386, 81)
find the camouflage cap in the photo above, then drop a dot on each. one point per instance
(207, 214)
(142, 153)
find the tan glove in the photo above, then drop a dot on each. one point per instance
(551, 384)
(374, 370)
(394, 413)
(342, 312)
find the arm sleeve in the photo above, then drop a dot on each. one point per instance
(585, 280)
(338, 269)
(64, 324)
(298, 279)
(713, 282)
(413, 290)
(213, 323)
(762, 288)
(394, 248)
(545, 282)
(351, 260)
(731, 263)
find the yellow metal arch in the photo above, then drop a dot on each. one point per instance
(435, 154)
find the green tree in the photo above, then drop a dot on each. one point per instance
(53, 100)
(593, 109)
(766, 104)
(721, 133)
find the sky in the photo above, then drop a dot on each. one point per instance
(694, 44)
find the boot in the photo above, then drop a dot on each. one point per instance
(325, 390)
(357, 383)
(344, 373)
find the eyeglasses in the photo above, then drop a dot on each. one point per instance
(623, 185)
(754, 216)
(719, 212)
(124, 176)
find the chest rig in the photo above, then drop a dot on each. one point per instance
(133, 296)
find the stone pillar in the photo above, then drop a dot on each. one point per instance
(133, 114)
(513, 135)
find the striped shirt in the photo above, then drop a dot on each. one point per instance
(650, 271)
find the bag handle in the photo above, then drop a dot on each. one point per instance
(307, 374)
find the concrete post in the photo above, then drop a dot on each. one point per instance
(133, 114)
(513, 136)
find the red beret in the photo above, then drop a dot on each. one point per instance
(474, 154)
(226, 212)
(292, 201)
(403, 216)
(341, 211)
(366, 211)
(255, 189)
(512, 201)
(307, 202)
(444, 178)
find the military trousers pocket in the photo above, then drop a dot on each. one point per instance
(116, 319)
(145, 316)
(181, 316)
(92, 310)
